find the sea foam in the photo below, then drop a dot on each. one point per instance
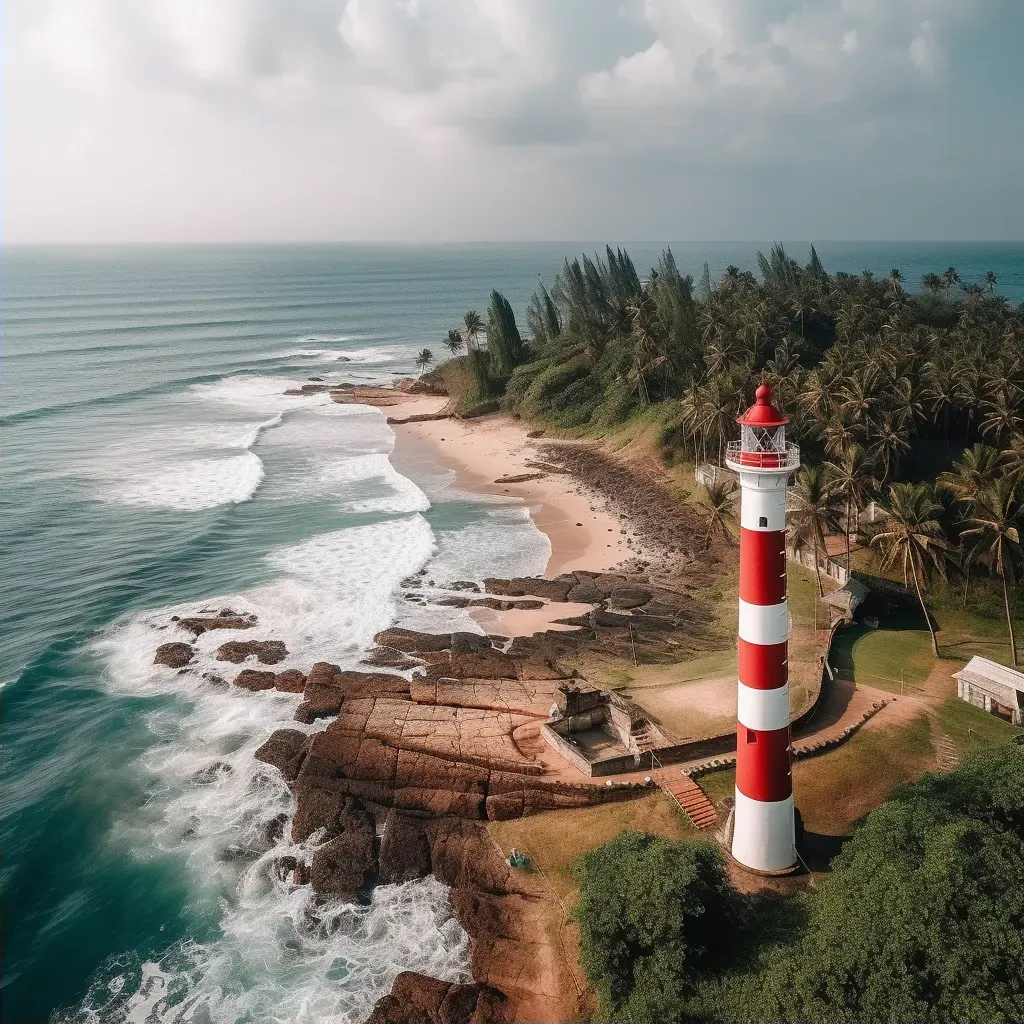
(281, 954)
(284, 956)
(162, 467)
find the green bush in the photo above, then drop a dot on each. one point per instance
(922, 918)
(652, 912)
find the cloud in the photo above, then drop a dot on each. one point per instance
(364, 118)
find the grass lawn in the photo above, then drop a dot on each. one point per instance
(887, 658)
(970, 728)
(836, 789)
(718, 784)
(805, 605)
(554, 839)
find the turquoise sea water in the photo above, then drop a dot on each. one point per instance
(152, 465)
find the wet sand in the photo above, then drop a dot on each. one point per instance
(583, 532)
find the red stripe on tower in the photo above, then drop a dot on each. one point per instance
(762, 566)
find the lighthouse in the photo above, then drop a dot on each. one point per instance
(763, 837)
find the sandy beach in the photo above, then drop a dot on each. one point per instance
(583, 532)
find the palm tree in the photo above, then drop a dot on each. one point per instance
(896, 282)
(453, 342)
(719, 500)
(424, 359)
(1002, 416)
(853, 481)
(990, 283)
(976, 469)
(912, 537)
(816, 513)
(840, 432)
(473, 324)
(995, 539)
(891, 443)
(950, 278)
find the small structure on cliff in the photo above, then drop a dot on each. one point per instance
(844, 602)
(992, 687)
(600, 733)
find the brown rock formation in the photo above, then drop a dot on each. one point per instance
(551, 590)
(269, 652)
(285, 750)
(343, 866)
(628, 597)
(417, 999)
(226, 619)
(174, 655)
(290, 681)
(327, 688)
(252, 679)
(404, 849)
(388, 657)
(409, 641)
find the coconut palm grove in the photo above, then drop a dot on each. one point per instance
(913, 399)
(907, 399)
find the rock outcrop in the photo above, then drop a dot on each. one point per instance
(404, 849)
(252, 679)
(417, 999)
(344, 866)
(224, 619)
(327, 688)
(269, 652)
(285, 750)
(174, 655)
(290, 681)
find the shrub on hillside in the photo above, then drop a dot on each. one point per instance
(652, 913)
(922, 918)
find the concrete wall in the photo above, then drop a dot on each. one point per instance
(564, 747)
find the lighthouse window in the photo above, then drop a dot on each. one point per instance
(762, 521)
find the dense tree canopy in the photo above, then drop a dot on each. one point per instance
(922, 918)
(652, 913)
(882, 386)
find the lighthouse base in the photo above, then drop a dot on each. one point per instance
(764, 835)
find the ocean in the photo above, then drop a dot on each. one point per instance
(152, 466)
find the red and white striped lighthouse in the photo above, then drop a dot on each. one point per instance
(763, 822)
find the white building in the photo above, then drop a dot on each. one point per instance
(992, 687)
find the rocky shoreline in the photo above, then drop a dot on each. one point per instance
(432, 738)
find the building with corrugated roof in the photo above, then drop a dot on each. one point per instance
(992, 687)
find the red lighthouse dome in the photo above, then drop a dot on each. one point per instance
(763, 412)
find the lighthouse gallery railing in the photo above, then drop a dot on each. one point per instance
(783, 457)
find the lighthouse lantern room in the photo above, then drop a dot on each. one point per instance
(763, 837)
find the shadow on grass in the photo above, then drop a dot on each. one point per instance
(884, 651)
(819, 850)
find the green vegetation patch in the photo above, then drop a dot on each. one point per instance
(836, 789)
(888, 658)
(652, 913)
(718, 784)
(970, 728)
(922, 918)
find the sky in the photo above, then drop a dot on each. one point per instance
(512, 120)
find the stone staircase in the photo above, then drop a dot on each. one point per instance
(692, 800)
(948, 755)
(644, 739)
